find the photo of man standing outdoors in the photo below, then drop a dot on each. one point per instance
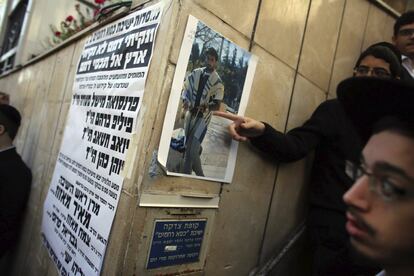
(203, 92)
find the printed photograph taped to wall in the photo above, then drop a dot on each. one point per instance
(213, 77)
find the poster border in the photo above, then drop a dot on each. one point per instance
(175, 95)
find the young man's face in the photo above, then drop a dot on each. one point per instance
(404, 40)
(381, 208)
(211, 62)
(371, 66)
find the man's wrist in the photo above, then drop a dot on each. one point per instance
(262, 128)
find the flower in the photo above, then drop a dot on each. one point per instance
(96, 12)
(74, 23)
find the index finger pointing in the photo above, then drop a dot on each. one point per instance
(227, 115)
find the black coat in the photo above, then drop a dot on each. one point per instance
(332, 136)
(405, 76)
(330, 133)
(15, 181)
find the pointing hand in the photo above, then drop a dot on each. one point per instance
(242, 128)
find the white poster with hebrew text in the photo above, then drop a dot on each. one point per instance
(86, 185)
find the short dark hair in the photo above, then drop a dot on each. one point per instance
(386, 53)
(405, 19)
(390, 46)
(395, 124)
(10, 118)
(212, 52)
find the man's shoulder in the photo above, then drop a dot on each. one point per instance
(215, 77)
(330, 111)
(331, 105)
(198, 70)
(12, 163)
(217, 74)
(331, 102)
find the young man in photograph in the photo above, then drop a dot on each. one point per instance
(203, 92)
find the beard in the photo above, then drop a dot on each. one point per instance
(360, 258)
(209, 68)
(371, 266)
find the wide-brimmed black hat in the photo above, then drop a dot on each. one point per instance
(366, 100)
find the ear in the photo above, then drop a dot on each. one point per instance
(394, 39)
(2, 129)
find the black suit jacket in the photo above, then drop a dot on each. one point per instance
(331, 134)
(405, 76)
(15, 181)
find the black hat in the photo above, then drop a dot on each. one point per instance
(10, 118)
(366, 100)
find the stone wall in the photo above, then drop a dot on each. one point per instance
(304, 48)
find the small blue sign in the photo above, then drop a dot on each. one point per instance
(176, 242)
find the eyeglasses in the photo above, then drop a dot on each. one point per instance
(376, 71)
(406, 32)
(381, 183)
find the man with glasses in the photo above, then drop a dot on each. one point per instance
(380, 61)
(380, 216)
(331, 135)
(403, 39)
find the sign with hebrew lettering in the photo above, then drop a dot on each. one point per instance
(176, 242)
(86, 185)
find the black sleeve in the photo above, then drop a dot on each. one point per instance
(14, 192)
(298, 142)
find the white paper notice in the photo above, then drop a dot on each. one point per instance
(212, 73)
(108, 88)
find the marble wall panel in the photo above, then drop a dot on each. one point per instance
(379, 27)
(289, 201)
(280, 28)
(229, 11)
(289, 206)
(306, 98)
(34, 109)
(271, 90)
(321, 36)
(350, 42)
(59, 78)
